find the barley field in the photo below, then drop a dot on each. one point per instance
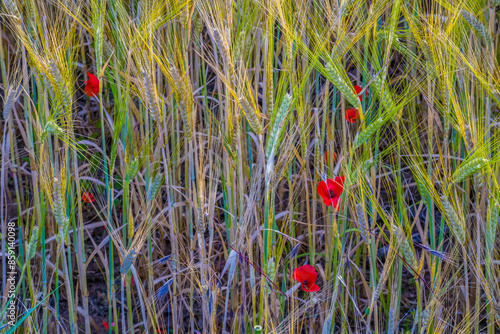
(249, 166)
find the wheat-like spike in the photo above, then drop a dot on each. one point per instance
(363, 227)
(270, 271)
(467, 169)
(51, 127)
(184, 15)
(480, 28)
(140, 12)
(278, 126)
(64, 231)
(219, 40)
(468, 139)
(342, 86)
(10, 100)
(251, 115)
(343, 45)
(492, 224)
(425, 316)
(132, 169)
(127, 261)
(12, 9)
(155, 186)
(363, 136)
(152, 97)
(33, 243)
(383, 92)
(61, 87)
(405, 246)
(185, 118)
(198, 28)
(58, 202)
(421, 188)
(392, 320)
(456, 225)
(381, 283)
(470, 146)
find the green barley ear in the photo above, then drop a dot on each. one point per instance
(182, 93)
(270, 270)
(251, 115)
(467, 169)
(33, 243)
(278, 126)
(455, 222)
(10, 100)
(408, 252)
(152, 97)
(185, 118)
(480, 28)
(127, 261)
(337, 80)
(132, 169)
(52, 128)
(382, 92)
(425, 316)
(13, 11)
(224, 50)
(58, 203)
(155, 186)
(492, 224)
(60, 87)
(363, 136)
(64, 231)
(363, 227)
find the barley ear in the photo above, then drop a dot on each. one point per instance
(33, 243)
(127, 261)
(455, 222)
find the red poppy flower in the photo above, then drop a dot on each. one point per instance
(326, 156)
(306, 275)
(92, 85)
(87, 197)
(351, 115)
(331, 190)
(358, 90)
(106, 326)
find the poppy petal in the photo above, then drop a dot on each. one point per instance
(358, 90)
(312, 288)
(351, 115)
(322, 189)
(338, 185)
(92, 85)
(105, 324)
